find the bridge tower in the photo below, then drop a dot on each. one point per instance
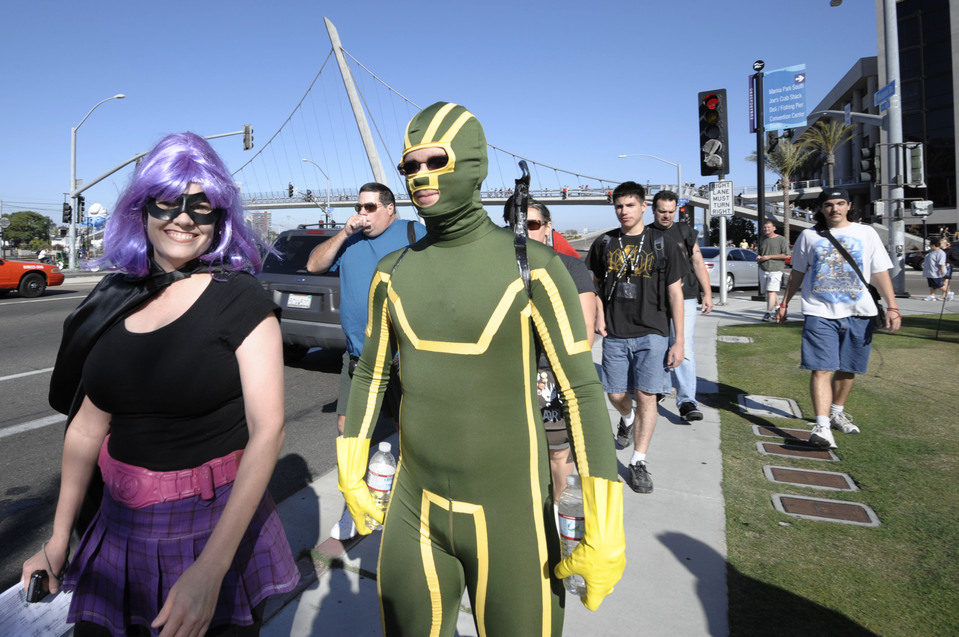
(358, 113)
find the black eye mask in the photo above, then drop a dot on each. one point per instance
(167, 210)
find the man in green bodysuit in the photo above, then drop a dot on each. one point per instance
(472, 504)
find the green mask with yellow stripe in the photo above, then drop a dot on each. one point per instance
(458, 132)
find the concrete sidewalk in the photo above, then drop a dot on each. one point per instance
(675, 579)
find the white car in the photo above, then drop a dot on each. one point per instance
(741, 267)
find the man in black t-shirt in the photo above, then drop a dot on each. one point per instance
(639, 279)
(695, 282)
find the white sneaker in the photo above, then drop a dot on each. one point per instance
(843, 422)
(930, 298)
(344, 529)
(821, 436)
(950, 296)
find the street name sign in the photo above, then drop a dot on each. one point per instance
(882, 96)
(784, 97)
(721, 198)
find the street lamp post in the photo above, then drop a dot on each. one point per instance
(679, 169)
(73, 179)
(326, 206)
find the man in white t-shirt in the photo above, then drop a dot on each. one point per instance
(838, 308)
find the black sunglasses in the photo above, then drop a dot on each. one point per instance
(369, 206)
(411, 166)
(533, 224)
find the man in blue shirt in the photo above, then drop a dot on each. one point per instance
(368, 236)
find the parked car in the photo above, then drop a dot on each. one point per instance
(741, 267)
(915, 258)
(310, 302)
(30, 278)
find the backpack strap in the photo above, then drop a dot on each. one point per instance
(659, 251)
(398, 259)
(519, 246)
(410, 234)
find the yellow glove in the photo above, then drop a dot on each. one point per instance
(351, 458)
(600, 556)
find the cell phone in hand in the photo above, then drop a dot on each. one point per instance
(38, 588)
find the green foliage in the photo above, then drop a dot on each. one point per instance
(737, 229)
(825, 136)
(26, 226)
(835, 579)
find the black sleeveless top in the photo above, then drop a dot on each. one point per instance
(174, 394)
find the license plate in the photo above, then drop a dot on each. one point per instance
(299, 300)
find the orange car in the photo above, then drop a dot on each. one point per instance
(28, 277)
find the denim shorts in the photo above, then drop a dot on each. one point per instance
(936, 283)
(830, 345)
(635, 363)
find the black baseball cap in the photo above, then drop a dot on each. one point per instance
(833, 193)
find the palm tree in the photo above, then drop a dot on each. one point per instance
(784, 160)
(826, 136)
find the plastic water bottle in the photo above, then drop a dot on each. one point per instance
(571, 525)
(379, 479)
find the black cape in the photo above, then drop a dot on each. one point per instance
(116, 296)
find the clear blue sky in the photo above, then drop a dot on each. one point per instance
(568, 84)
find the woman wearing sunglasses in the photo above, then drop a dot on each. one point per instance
(539, 227)
(171, 372)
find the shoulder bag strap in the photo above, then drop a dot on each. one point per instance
(824, 232)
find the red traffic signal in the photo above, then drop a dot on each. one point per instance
(713, 133)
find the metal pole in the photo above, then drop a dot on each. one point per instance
(758, 106)
(358, 113)
(73, 179)
(894, 131)
(72, 260)
(722, 260)
(326, 206)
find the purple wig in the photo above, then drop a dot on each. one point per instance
(165, 173)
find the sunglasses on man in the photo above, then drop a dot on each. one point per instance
(368, 206)
(411, 166)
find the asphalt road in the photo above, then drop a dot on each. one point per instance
(31, 433)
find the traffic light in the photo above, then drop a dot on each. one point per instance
(915, 171)
(289, 191)
(772, 140)
(81, 206)
(869, 165)
(67, 212)
(685, 214)
(247, 136)
(713, 133)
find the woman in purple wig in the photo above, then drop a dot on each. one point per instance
(171, 373)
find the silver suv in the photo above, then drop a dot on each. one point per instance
(310, 302)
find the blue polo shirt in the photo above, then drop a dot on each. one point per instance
(356, 262)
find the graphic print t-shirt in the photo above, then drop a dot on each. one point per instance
(831, 288)
(632, 288)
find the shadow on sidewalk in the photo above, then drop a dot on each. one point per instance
(755, 607)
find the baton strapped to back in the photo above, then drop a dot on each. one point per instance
(520, 203)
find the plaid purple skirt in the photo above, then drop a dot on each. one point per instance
(129, 559)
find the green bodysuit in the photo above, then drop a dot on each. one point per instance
(471, 503)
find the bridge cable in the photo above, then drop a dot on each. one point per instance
(315, 78)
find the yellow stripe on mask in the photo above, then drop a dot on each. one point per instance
(430, 133)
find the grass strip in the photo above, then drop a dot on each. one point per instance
(789, 576)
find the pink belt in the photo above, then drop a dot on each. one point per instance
(137, 487)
